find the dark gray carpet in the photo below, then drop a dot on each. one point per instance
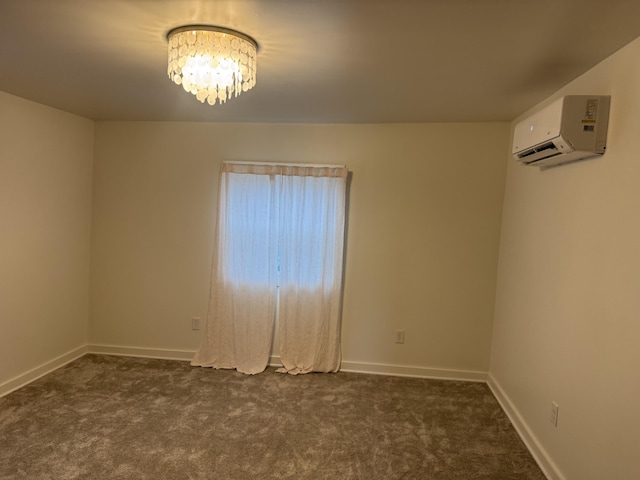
(107, 417)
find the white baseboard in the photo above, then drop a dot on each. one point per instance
(163, 354)
(546, 464)
(413, 371)
(274, 361)
(401, 370)
(41, 370)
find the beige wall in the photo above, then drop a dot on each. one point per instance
(425, 207)
(567, 324)
(45, 220)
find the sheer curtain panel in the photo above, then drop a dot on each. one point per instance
(240, 321)
(277, 260)
(311, 249)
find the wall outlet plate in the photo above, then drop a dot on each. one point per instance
(195, 323)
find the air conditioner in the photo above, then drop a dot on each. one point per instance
(572, 128)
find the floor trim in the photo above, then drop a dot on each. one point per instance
(413, 371)
(41, 370)
(162, 354)
(540, 455)
(274, 361)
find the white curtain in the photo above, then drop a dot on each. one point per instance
(278, 258)
(239, 328)
(311, 248)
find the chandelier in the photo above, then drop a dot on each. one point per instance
(212, 63)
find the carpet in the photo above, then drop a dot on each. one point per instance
(108, 417)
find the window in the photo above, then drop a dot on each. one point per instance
(280, 239)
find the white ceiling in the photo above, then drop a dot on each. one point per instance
(320, 61)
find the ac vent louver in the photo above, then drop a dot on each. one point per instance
(547, 149)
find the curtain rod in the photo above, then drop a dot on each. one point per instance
(287, 164)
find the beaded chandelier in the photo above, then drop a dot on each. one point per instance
(212, 63)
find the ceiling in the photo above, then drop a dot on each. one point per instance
(320, 61)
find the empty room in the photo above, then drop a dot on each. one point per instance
(319, 239)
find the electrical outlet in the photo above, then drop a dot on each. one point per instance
(399, 336)
(195, 323)
(554, 413)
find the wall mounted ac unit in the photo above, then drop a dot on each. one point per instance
(572, 128)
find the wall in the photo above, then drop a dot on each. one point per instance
(567, 318)
(425, 207)
(45, 228)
